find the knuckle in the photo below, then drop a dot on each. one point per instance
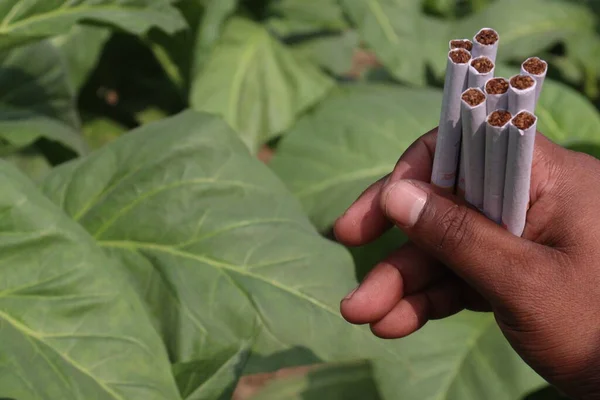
(455, 224)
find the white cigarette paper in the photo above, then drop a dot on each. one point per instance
(460, 186)
(481, 69)
(447, 149)
(522, 99)
(474, 114)
(485, 44)
(496, 149)
(496, 92)
(537, 69)
(521, 142)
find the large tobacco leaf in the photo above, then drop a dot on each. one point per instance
(28, 20)
(334, 53)
(349, 141)
(223, 254)
(71, 326)
(36, 99)
(213, 378)
(258, 85)
(303, 17)
(184, 54)
(81, 47)
(403, 38)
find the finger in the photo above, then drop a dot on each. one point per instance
(413, 312)
(478, 250)
(364, 222)
(404, 272)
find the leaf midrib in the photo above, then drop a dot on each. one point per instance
(344, 178)
(135, 246)
(7, 27)
(29, 333)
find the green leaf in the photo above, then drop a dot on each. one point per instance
(99, 131)
(71, 326)
(298, 17)
(344, 381)
(256, 84)
(214, 377)
(215, 13)
(184, 54)
(403, 39)
(349, 141)
(31, 162)
(36, 99)
(82, 48)
(221, 253)
(333, 53)
(23, 21)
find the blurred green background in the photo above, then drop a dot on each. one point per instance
(326, 93)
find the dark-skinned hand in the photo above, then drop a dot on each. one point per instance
(543, 288)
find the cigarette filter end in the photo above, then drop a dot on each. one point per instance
(535, 66)
(473, 97)
(459, 56)
(461, 44)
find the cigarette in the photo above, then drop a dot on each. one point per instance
(496, 92)
(485, 44)
(481, 69)
(460, 186)
(461, 44)
(474, 114)
(447, 149)
(496, 148)
(537, 69)
(521, 141)
(521, 94)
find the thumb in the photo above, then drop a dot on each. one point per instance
(481, 252)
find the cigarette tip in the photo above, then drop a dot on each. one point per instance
(473, 97)
(522, 83)
(487, 37)
(524, 121)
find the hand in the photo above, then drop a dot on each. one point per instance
(543, 288)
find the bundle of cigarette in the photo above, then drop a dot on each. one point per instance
(487, 129)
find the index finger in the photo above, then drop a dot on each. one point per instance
(364, 221)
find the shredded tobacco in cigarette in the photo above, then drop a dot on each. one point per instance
(535, 66)
(522, 82)
(487, 37)
(483, 65)
(496, 86)
(461, 44)
(523, 120)
(473, 97)
(499, 118)
(460, 56)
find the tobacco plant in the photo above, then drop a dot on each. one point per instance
(171, 171)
